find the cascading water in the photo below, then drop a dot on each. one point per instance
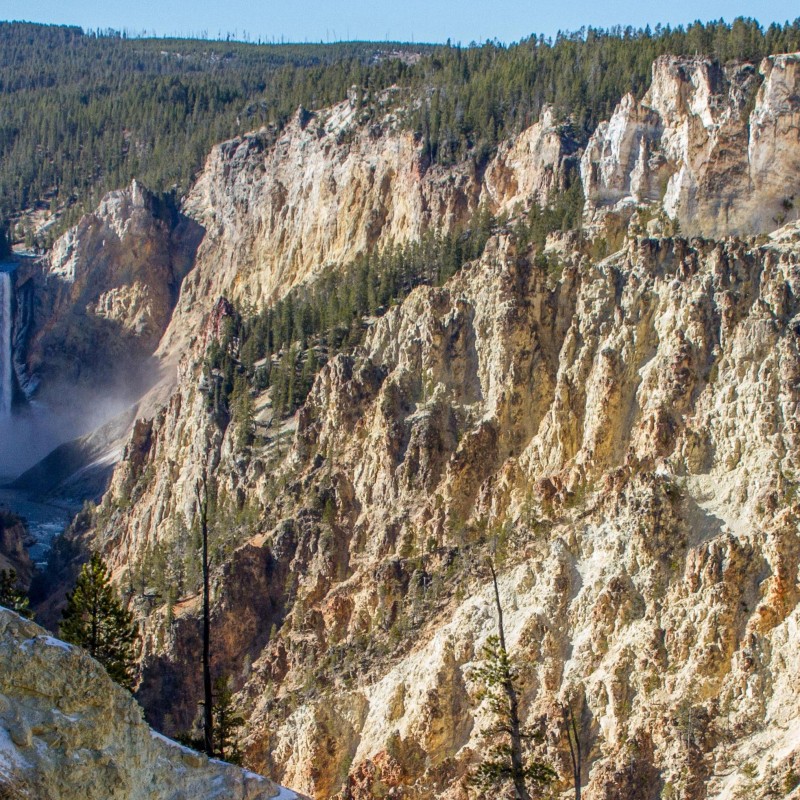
(6, 366)
(18, 435)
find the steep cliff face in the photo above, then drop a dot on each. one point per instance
(68, 731)
(277, 208)
(621, 434)
(624, 431)
(104, 295)
(716, 148)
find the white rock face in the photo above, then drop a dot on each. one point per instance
(694, 146)
(68, 732)
(528, 167)
(774, 147)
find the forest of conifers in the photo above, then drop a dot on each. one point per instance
(83, 113)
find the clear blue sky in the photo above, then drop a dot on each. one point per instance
(420, 20)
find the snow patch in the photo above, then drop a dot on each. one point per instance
(172, 743)
(285, 794)
(51, 641)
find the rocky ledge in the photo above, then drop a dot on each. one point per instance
(68, 731)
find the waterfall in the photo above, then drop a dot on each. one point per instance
(5, 344)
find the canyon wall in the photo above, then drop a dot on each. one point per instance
(717, 148)
(279, 207)
(103, 297)
(619, 434)
(624, 432)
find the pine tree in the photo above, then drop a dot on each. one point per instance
(96, 620)
(507, 770)
(5, 240)
(226, 723)
(243, 415)
(11, 596)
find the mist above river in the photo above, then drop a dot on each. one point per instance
(33, 431)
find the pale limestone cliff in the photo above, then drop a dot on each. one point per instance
(531, 166)
(67, 731)
(277, 208)
(713, 148)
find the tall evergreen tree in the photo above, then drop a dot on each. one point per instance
(226, 723)
(5, 240)
(96, 620)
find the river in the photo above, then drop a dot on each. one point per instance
(45, 519)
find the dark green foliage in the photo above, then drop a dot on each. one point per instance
(96, 620)
(242, 411)
(227, 723)
(12, 595)
(497, 775)
(63, 552)
(285, 346)
(84, 113)
(5, 240)
(562, 212)
(81, 114)
(790, 781)
(221, 369)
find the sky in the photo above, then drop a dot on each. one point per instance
(397, 20)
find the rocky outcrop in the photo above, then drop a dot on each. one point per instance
(67, 731)
(88, 318)
(531, 166)
(716, 148)
(105, 293)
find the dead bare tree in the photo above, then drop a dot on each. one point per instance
(506, 762)
(208, 698)
(571, 732)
